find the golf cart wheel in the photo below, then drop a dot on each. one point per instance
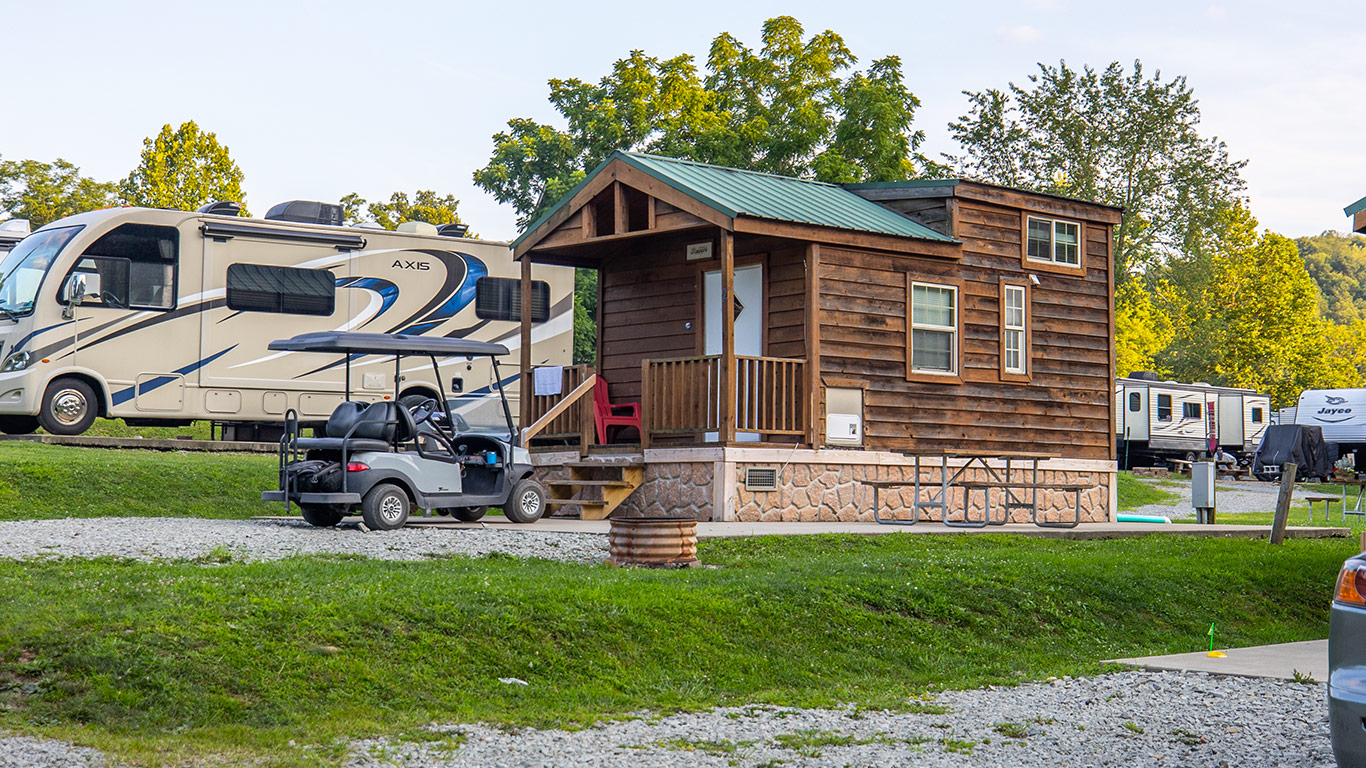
(18, 425)
(527, 502)
(385, 507)
(468, 514)
(68, 407)
(323, 515)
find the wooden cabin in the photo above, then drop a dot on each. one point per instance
(1357, 211)
(869, 325)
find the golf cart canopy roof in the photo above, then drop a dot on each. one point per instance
(342, 342)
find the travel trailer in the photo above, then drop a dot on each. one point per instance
(1157, 420)
(164, 316)
(11, 232)
(1341, 413)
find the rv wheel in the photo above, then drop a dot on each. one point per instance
(468, 514)
(385, 507)
(68, 407)
(323, 515)
(527, 502)
(18, 425)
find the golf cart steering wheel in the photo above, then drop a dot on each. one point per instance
(422, 412)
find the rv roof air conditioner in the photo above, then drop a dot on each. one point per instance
(307, 212)
(221, 208)
(453, 230)
(1143, 375)
(16, 226)
(417, 228)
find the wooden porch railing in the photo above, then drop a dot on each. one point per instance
(683, 395)
(569, 422)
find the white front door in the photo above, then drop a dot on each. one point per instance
(749, 318)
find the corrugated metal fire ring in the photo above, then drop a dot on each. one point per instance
(654, 542)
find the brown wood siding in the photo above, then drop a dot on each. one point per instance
(1065, 409)
(786, 285)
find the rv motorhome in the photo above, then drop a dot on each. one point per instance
(1341, 413)
(1165, 419)
(163, 316)
(11, 232)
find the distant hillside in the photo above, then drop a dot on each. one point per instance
(1337, 262)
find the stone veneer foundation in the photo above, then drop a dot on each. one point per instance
(824, 485)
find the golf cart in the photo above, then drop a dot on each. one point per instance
(385, 456)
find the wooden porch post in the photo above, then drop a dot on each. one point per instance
(528, 387)
(813, 343)
(727, 337)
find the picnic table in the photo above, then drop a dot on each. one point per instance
(1016, 494)
(1358, 509)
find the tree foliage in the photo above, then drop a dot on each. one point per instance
(44, 192)
(792, 107)
(183, 169)
(425, 205)
(1337, 263)
(1111, 136)
(1252, 319)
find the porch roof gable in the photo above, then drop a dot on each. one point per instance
(736, 193)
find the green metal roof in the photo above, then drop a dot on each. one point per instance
(1356, 207)
(736, 192)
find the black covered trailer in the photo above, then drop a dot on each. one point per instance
(1298, 443)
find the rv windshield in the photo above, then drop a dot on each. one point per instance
(21, 273)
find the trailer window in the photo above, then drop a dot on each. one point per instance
(1256, 415)
(1190, 410)
(286, 290)
(1135, 402)
(136, 264)
(500, 298)
(1164, 407)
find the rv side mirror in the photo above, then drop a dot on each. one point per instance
(74, 290)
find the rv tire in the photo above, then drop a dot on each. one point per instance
(385, 507)
(18, 425)
(527, 502)
(323, 515)
(468, 514)
(69, 407)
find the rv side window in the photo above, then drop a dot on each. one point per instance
(500, 298)
(1164, 407)
(1190, 410)
(1135, 402)
(136, 265)
(1256, 415)
(287, 290)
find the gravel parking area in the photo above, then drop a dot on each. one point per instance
(1124, 719)
(1234, 496)
(164, 538)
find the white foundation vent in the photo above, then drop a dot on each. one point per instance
(761, 478)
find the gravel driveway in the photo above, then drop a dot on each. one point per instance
(1191, 720)
(1232, 496)
(166, 538)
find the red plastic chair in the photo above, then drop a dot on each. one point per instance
(606, 414)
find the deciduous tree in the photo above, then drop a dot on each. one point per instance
(425, 205)
(183, 168)
(44, 192)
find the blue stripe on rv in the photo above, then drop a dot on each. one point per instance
(126, 394)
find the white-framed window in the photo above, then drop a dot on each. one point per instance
(1013, 329)
(1053, 240)
(934, 329)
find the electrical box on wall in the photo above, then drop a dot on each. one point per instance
(844, 416)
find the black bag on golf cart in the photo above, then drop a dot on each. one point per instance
(1298, 443)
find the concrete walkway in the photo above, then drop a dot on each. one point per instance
(1280, 661)
(1085, 531)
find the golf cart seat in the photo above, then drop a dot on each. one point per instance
(362, 427)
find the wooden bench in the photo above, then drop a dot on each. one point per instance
(1325, 500)
(986, 487)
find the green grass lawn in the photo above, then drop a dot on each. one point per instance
(1133, 493)
(198, 430)
(170, 663)
(47, 481)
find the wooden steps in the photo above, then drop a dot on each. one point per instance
(595, 487)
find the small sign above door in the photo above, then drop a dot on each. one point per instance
(699, 251)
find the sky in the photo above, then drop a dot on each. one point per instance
(319, 99)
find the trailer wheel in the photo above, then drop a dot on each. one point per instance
(527, 502)
(68, 408)
(18, 425)
(323, 515)
(385, 507)
(467, 514)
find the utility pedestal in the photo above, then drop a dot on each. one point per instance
(1202, 491)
